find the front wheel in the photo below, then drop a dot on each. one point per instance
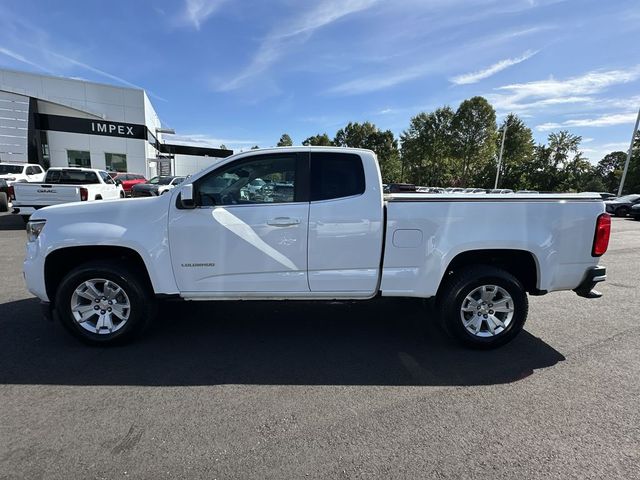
(104, 303)
(483, 306)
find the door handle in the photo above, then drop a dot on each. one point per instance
(283, 222)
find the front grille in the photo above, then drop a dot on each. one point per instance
(141, 193)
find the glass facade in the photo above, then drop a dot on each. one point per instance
(79, 158)
(115, 162)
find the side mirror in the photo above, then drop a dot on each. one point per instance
(186, 196)
(118, 182)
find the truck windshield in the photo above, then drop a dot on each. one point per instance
(71, 177)
(4, 169)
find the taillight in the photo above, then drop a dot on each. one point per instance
(601, 238)
(84, 194)
(12, 193)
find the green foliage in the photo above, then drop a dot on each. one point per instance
(426, 148)
(517, 154)
(446, 148)
(285, 141)
(473, 145)
(383, 143)
(320, 140)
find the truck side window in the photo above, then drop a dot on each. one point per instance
(336, 175)
(260, 179)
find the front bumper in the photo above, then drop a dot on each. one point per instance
(592, 276)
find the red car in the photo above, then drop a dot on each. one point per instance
(128, 180)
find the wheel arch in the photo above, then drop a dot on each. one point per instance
(522, 264)
(60, 262)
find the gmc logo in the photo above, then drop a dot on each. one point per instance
(112, 129)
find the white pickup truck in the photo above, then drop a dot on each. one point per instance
(64, 185)
(331, 234)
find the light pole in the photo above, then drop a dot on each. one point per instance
(504, 135)
(626, 164)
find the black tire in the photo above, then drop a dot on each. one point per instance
(622, 212)
(141, 300)
(121, 194)
(98, 197)
(461, 284)
(4, 202)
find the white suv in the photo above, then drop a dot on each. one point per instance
(21, 172)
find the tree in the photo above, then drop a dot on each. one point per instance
(474, 146)
(610, 170)
(285, 141)
(632, 182)
(383, 143)
(426, 148)
(255, 147)
(223, 147)
(320, 140)
(518, 152)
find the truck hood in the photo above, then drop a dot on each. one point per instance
(115, 212)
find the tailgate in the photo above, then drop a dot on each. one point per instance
(44, 194)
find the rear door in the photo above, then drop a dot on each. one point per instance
(242, 243)
(345, 224)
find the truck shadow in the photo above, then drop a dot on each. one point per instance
(383, 342)
(8, 221)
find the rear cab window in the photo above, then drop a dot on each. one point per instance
(336, 175)
(71, 177)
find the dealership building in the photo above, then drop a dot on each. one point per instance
(59, 122)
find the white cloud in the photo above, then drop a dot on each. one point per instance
(196, 12)
(21, 58)
(578, 90)
(379, 82)
(475, 77)
(274, 46)
(601, 121)
(205, 140)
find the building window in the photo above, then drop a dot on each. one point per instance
(79, 158)
(116, 162)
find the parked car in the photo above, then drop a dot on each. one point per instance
(21, 172)
(101, 266)
(501, 190)
(635, 211)
(6, 195)
(620, 207)
(128, 180)
(156, 186)
(528, 191)
(64, 185)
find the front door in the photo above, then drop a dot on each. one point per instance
(241, 239)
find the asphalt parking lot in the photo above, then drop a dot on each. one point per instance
(342, 390)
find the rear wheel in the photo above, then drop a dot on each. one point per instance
(104, 303)
(483, 306)
(4, 202)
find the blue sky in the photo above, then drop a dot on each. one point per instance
(243, 72)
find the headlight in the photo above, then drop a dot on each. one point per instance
(34, 228)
